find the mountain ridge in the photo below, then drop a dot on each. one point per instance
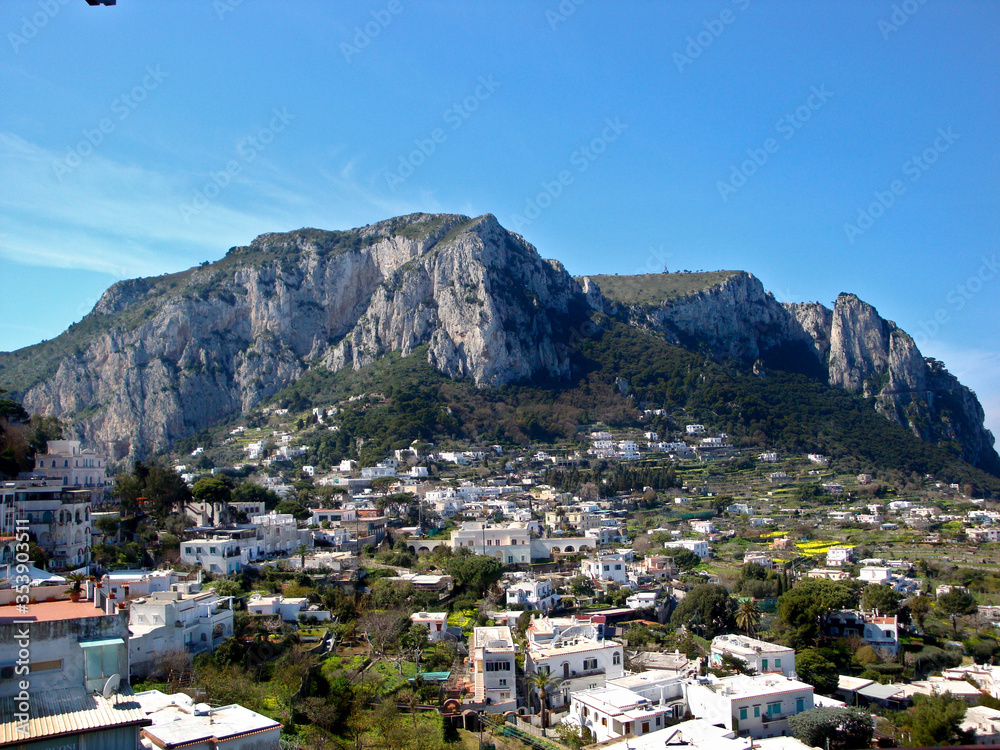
(161, 358)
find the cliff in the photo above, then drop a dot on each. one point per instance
(851, 346)
(162, 358)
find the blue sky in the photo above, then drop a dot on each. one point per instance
(825, 146)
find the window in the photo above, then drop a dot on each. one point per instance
(800, 705)
(773, 709)
(617, 658)
(777, 663)
(618, 567)
(497, 666)
(743, 714)
(590, 664)
(101, 660)
(756, 712)
(763, 663)
(503, 683)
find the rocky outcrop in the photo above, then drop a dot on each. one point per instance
(162, 358)
(180, 354)
(852, 345)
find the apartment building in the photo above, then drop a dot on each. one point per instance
(217, 554)
(532, 593)
(573, 651)
(493, 669)
(72, 650)
(755, 706)
(760, 656)
(184, 619)
(58, 518)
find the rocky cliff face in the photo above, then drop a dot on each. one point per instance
(161, 358)
(852, 344)
(179, 355)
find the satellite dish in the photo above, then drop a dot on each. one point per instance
(111, 686)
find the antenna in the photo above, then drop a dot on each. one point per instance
(111, 687)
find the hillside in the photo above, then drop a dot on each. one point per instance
(656, 288)
(164, 358)
(620, 371)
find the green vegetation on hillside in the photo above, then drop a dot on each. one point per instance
(654, 288)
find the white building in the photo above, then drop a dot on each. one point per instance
(698, 546)
(435, 622)
(612, 711)
(532, 593)
(494, 673)
(288, 607)
(760, 656)
(757, 706)
(72, 466)
(510, 544)
(694, 429)
(839, 556)
(218, 555)
(57, 516)
(573, 651)
(703, 527)
(606, 568)
(278, 533)
(184, 619)
(180, 722)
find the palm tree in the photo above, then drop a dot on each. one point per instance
(748, 616)
(546, 685)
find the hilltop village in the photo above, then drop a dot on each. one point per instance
(631, 588)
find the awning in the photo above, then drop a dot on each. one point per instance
(105, 642)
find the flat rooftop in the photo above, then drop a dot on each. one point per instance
(494, 638)
(62, 609)
(744, 644)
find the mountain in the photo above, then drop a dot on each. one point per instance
(850, 347)
(162, 358)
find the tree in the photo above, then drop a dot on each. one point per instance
(956, 603)
(800, 610)
(685, 559)
(248, 492)
(818, 671)
(834, 728)
(213, 489)
(934, 720)
(880, 598)
(545, 685)
(748, 616)
(381, 629)
(474, 573)
(920, 607)
(707, 608)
